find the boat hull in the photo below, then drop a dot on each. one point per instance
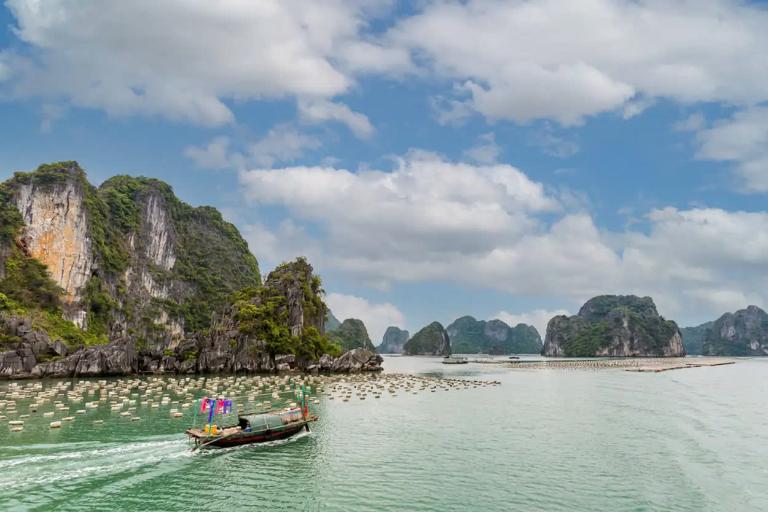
(258, 437)
(203, 440)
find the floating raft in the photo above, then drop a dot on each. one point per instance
(639, 364)
(664, 368)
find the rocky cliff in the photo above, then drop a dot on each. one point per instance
(614, 325)
(743, 333)
(693, 338)
(351, 334)
(432, 340)
(126, 278)
(393, 341)
(471, 336)
(132, 259)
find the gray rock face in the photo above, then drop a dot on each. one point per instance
(356, 361)
(134, 246)
(393, 341)
(617, 326)
(743, 333)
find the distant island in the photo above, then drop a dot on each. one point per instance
(494, 337)
(614, 325)
(393, 341)
(432, 340)
(741, 333)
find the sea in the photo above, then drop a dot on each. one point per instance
(541, 440)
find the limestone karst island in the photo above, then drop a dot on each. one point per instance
(434, 256)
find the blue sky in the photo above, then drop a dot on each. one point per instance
(491, 158)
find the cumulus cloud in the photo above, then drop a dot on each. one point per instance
(282, 143)
(537, 318)
(376, 316)
(491, 226)
(318, 111)
(743, 140)
(525, 60)
(185, 59)
(214, 155)
(287, 241)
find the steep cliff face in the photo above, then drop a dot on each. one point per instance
(470, 336)
(393, 341)
(614, 325)
(351, 334)
(152, 284)
(693, 338)
(132, 259)
(432, 340)
(56, 233)
(743, 333)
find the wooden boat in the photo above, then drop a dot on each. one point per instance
(454, 360)
(253, 428)
(267, 424)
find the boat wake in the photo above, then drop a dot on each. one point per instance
(74, 462)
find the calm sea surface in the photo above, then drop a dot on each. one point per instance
(550, 440)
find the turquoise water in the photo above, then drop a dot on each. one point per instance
(549, 440)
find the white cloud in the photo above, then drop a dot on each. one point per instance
(425, 204)
(743, 140)
(376, 316)
(486, 151)
(318, 111)
(214, 155)
(537, 318)
(285, 242)
(282, 143)
(493, 227)
(525, 60)
(183, 59)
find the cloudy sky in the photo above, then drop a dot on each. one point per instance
(501, 159)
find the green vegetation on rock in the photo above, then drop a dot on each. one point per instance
(270, 313)
(351, 334)
(471, 336)
(614, 325)
(432, 340)
(210, 260)
(693, 338)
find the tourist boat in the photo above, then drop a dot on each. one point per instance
(455, 360)
(262, 426)
(253, 428)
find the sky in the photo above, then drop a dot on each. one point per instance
(432, 159)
